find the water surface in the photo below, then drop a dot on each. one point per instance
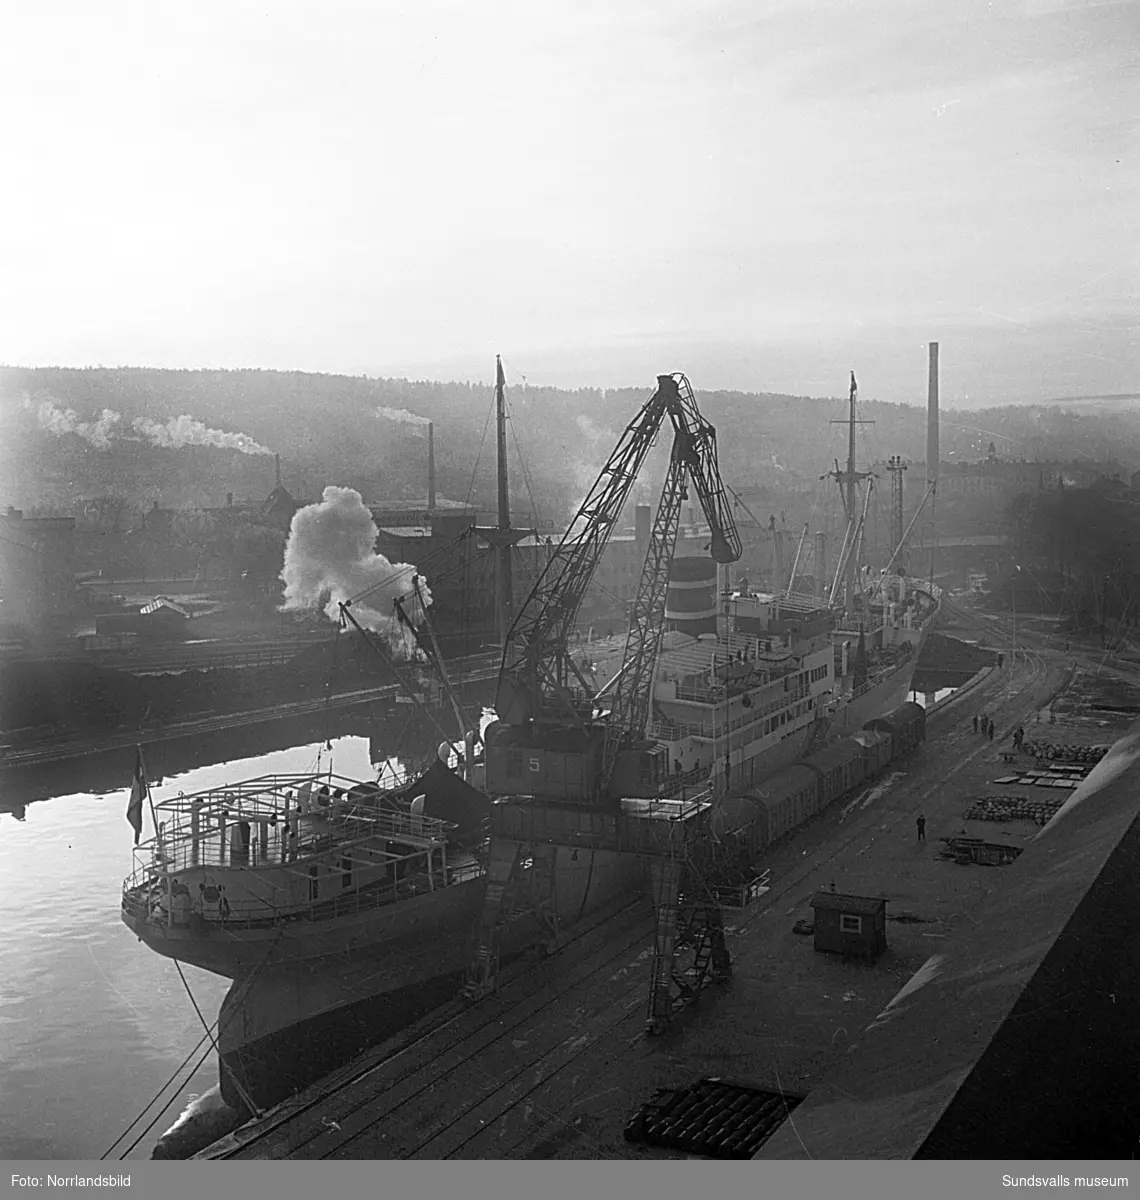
(92, 1023)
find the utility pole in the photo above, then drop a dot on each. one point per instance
(1013, 597)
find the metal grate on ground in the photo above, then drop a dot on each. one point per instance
(712, 1118)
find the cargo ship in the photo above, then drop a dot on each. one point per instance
(342, 910)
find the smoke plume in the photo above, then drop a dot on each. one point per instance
(330, 557)
(402, 415)
(174, 434)
(185, 431)
(59, 421)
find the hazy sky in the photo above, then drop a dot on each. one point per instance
(760, 193)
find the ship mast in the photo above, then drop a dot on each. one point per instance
(848, 481)
(503, 584)
(502, 536)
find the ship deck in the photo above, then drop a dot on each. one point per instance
(557, 1062)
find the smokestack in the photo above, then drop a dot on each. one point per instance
(932, 418)
(277, 466)
(431, 467)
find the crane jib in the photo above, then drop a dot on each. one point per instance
(549, 740)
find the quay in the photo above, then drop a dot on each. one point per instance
(556, 1063)
(472, 673)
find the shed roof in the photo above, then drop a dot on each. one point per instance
(842, 902)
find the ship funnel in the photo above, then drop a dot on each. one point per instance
(690, 603)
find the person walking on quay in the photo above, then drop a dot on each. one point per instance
(984, 724)
(975, 722)
(920, 821)
(991, 731)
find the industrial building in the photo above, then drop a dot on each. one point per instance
(37, 583)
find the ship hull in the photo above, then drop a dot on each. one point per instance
(282, 1026)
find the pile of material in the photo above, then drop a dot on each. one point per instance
(1056, 752)
(1012, 808)
(711, 1118)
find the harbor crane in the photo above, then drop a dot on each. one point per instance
(551, 739)
(565, 770)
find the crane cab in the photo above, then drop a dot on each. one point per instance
(561, 764)
(641, 772)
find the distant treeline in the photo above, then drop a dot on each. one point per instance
(327, 429)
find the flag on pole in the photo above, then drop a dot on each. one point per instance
(854, 385)
(138, 791)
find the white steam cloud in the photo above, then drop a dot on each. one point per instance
(173, 434)
(185, 431)
(59, 421)
(330, 557)
(402, 415)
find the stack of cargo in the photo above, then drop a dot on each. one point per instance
(1013, 808)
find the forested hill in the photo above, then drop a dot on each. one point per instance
(188, 437)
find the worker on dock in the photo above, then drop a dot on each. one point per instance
(975, 722)
(920, 821)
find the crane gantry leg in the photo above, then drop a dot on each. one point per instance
(503, 864)
(520, 881)
(688, 925)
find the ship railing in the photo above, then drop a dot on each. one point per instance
(716, 696)
(206, 837)
(331, 797)
(161, 856)
(673, 730)
(872, 681)
(679, 784)
(148, 903)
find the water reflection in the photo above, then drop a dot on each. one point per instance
(92, 1024)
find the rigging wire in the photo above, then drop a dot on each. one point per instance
(246, 1099)
(158, 1115)
(197, 1066)
(154, 1098)
(479, 452)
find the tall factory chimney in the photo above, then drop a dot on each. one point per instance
(932, 451)
(431, 467)
(932, 418)
(277, 465)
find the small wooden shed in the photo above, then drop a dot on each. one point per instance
(845, 924)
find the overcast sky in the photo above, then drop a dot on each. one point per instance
(762, 193)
